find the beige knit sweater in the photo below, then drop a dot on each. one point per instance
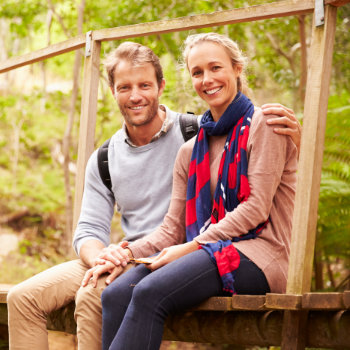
(272, 165)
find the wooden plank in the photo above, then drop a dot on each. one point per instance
(336, 3)
(4, 289)
(215, 304)
(323, 301)
(87, 122)
(42, 54)
(309, 176)
(346, 299)
(248, 302)
(248, 14)
(311, 153)
(283, 301)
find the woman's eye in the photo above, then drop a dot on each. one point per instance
(216, 68)
(196, 73)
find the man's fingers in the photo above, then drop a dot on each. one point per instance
(283, 121)
(123, 244)
(276, 106)
(281, 112)
(110, 257)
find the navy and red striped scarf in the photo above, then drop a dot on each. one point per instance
(232, 186)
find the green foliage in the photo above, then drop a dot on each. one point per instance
(334, 206)
(32, 122)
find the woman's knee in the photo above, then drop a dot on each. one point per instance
(119, 292)
(146, 292)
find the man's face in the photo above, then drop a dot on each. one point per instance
(137, 92)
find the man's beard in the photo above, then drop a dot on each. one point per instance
(151, 113)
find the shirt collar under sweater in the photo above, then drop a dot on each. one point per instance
(167, 125)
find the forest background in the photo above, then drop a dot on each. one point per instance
(40, 107)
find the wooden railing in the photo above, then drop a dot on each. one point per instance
(312, 143)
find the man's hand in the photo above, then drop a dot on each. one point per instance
(172, 253)
(287, 118)
(114, 253)
(95, 272)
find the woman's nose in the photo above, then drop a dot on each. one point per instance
(207, 78)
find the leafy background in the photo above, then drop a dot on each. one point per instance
(38, 110)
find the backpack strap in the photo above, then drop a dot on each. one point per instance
(102, 162)
(188, 125)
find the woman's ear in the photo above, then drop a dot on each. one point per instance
(238, 69)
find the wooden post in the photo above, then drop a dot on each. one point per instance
(87, 122)
(309, 175)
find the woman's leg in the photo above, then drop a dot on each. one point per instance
(176, 286)
(115, 300)
(249, 279)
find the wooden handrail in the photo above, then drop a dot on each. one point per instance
(42, 54)
(247, 14)
(252, 13)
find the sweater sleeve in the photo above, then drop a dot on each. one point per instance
(173, 229)
(97, 208)
(267, 155)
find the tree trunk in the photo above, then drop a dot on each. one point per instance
(318, 265)
(67, 241)
(43, 63)
(330, 273)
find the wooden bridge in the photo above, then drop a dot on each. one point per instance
(295, 319)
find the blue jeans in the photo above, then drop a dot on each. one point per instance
(135, 305)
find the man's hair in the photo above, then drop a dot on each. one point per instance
(135, 53)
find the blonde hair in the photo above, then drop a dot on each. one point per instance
(231, 47)
(135, 53)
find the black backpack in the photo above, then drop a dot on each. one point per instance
(189, 128)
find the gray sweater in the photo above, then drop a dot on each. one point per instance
(141, 183)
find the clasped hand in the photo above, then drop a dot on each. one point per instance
(111, 260)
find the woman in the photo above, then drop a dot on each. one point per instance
(234, 183)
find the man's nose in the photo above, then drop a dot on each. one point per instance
(135, 95)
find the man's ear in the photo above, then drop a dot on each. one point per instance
(161, 87)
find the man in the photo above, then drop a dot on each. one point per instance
(141, 156)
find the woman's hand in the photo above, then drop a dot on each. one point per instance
(287, 118)
(172, 253)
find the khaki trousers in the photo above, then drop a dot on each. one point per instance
(31, 301)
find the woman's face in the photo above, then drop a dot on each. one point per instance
(213, 76)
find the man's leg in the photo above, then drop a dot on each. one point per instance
(31, 301)
(88, 314)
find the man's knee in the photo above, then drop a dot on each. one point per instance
(19, 297)
(89, 298)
